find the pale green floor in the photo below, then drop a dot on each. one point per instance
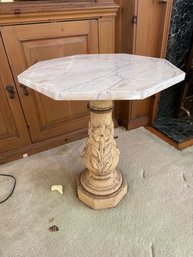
(154, 220)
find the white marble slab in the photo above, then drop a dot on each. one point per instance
(101, 77)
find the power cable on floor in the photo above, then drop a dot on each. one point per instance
(7, 175)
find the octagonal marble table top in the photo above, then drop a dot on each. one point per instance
(101, 77)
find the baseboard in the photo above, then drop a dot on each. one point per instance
(134, 123)
(43, 145)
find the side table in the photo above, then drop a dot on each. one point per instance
(101, 78)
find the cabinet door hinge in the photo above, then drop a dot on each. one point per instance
(134, 19)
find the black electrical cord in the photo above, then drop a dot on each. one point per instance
(10, 176)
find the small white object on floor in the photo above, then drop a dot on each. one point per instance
(58, 188)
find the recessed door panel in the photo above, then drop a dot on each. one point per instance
(32, 43)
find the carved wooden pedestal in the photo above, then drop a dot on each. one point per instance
(101, 185)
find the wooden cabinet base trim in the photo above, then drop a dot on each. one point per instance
(134, 123)
(42, 146)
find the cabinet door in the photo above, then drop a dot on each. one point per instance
(13, 130)
(28, 44)
(151, 29)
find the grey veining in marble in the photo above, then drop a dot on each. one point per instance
(101, 77)
(180, 40)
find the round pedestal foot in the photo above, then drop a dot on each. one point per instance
(99, 202)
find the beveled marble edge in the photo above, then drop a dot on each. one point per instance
(106, 95)
(146, 76)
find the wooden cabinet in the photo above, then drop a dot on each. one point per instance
(40, 30)
(141, 28)
(45, 117)
(13, 129)
(36, 121)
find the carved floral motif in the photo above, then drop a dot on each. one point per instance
(102, 133)
(101, 152)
